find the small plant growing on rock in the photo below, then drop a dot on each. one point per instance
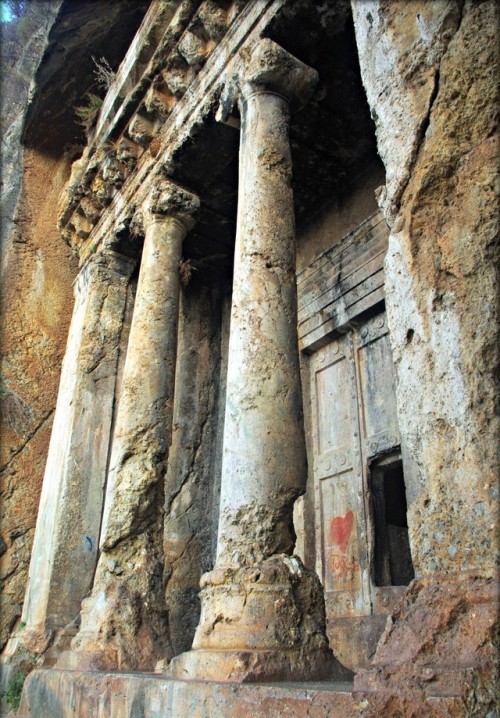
(87, 113)
(185, 270)
(103, 73)
(12, 694)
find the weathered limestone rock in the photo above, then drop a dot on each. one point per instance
(428, 70)
(35, 300)
(124, 621)
(416, 651)
(262, 611)
(62, 694)
(67, 531)
(400, 47)
(38, 269)
(441, 274)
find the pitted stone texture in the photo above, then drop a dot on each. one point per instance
(441, 274)
(143, 427)
(441, 640)
(169, 199)
(400, 46)
(214, 19)
(441, 278)
(270, 525)
(277, 627)
(72, 494)
(264, 462)
(124, 622)
(191, 505)
(61, 694)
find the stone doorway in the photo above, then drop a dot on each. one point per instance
(361, 536)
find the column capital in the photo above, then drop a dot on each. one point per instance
(104, 257)
(168, 200)
(269, 68)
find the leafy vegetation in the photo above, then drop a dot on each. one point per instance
(104, 76)
(88, 112)
(12, 694)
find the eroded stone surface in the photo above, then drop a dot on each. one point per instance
(68, 529)
(124, 621)
(428, 71)
(269, 621)
(60, 694)
(36, 299)
(262, 612)
(440, 640)
(194, 462)
(440, 278)
(440, 286)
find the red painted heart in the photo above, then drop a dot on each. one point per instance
(340, 530)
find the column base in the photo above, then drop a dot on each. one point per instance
(34, 639)
(261, 623)
(251, 666)
(31, 648)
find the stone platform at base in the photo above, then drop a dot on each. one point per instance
(51, 693)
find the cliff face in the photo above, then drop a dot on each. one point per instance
(436, 120)
(36, 276)
(37, 268)
(436, 124)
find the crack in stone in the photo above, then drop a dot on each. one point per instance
(27, 440)
(424, 124)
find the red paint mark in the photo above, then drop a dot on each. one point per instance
(340, 530)
(343, 566)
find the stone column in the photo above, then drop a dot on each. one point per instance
(262, 611)
(64, 554)
(124, 621)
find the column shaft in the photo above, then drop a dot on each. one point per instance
(144, 420)
(264, 461)
(263, 615)
(124, 623)
(64, 551)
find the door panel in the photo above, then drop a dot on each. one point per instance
(340, 530)
(377, 390)
(333, 405)
(353, 420)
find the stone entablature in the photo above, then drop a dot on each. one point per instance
(141, 127)
(342, 283)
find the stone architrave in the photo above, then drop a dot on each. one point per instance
(124, 620)
(66, 539)
(263, 615)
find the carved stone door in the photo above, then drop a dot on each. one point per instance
(340, 522)
(356, 458)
